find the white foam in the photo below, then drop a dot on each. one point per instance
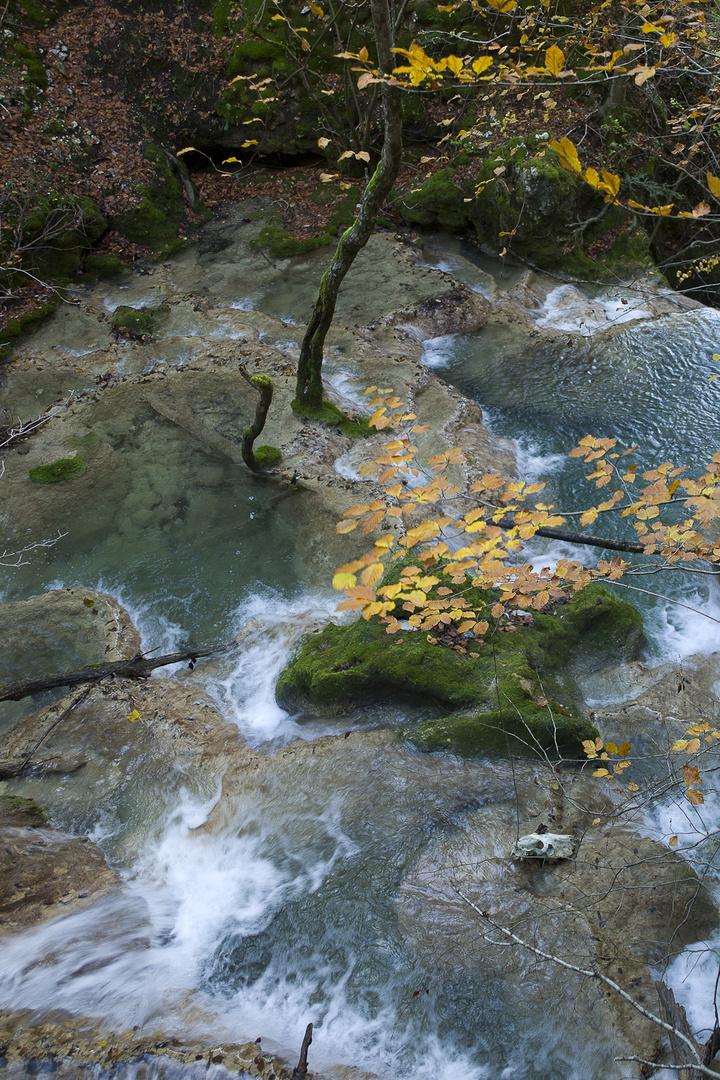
(566, 308)
(439, 351)
(247, 692)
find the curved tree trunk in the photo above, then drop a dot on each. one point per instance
(308, 393)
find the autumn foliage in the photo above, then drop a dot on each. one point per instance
(459, 542)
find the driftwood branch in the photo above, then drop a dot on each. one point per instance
(581, 538)
(301, 1068)
(137, 668)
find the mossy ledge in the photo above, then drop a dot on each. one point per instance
(517, 695)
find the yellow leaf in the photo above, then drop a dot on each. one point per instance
(228, 160)
(317, 10)
(713, 183)
(611, 182)
(364, 55)
(668, 39)
(643, 75)
(672, 841)
(371, 521)
(601, 772)
(693, 746)
(694, 796)
(372, 574)
(249, 142)
(624, 750)
(481, 64)
(343, 527)
(632, 786)
(497, 611)
(362, 155)
(322, 143)
(342, 581)
(365, 78)
(555, 60)
(568, 154)
(134, 715)
(187, 149)
(611, 748)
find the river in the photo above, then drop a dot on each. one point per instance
(291, 911)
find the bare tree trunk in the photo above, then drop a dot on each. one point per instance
(308, 392)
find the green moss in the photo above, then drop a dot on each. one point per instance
(549, 730)
(59, 256)
(283, 245)
(440, 201)
(14, 810)
(104, 266)
(36, 73)
(24, 323)
(138, 321)
(60, 470)
(327, 413)
(267, 456)
(519, 685)
(161, 210)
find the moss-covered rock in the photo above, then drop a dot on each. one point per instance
(354, 427)
(519, 687)
(60, 231)
(57, 471)
(267, 456)
(162, 205)
(104, 267)
(283, 245)
(138, 322)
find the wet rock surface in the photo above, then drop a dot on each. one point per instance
(44, 873)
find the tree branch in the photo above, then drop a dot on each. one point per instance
(139, 667)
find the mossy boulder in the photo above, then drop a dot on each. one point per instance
(57, 471)
(268, 456)
(104, 267)
(138, 322)
(283, 245)
(60, 231)
(162, 204)
(517, 693)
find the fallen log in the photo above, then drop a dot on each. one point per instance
(139, 667)
(581, 538)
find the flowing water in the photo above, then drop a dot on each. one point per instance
(289, 911)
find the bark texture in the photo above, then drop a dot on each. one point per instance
(309, 393)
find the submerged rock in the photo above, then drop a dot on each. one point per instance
(624, 905)
(516, 692)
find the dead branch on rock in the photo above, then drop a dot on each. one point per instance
(9, 769)
(139, 667)
(692, 1056)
